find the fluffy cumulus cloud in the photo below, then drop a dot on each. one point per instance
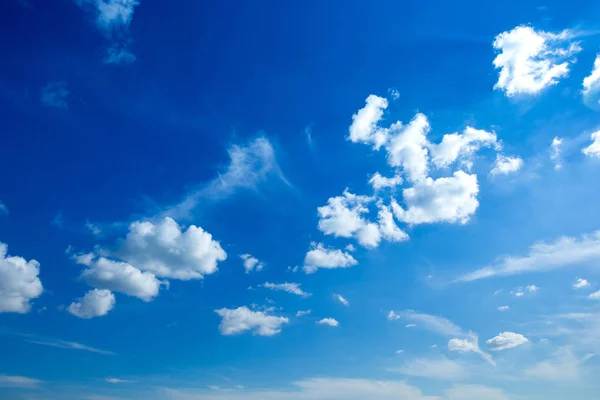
(95, 303)
(19, 282)
(168, 251)
(591, 86)
(530, 61)
(387, 226)
(341, 299)
(378, 182)
(506, 340)
(581, 283)
(593, 150)
(118, 276)
(469, 344)
(455, 146)
(251, 263)
(449, 199)
(329, 322)
(595, 295)
(555, 152)
(505, 165)
(564, 252)
(364, 128)
(321, 257)
(242, 319)
(293, 288)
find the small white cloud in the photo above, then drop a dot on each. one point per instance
(433, 323)
(379, 182)
(320, 257)
(593, 150)
(470, 344)
(93, 228)
(341, 299)
(520, 291)
(399, 351)
(115, 381)
(503, 308)
(328, 321)
(364, 127)
(595, 295)
(293, 288)
(434, 368)
(394, 93)
(392, 316)
(581, 283)
(19, 282)
(350, 248)
(251, 263)
(530, 60)
(54, 94)
(241, 319)
(410, 326)
(3, 209)
(591, 86)
(506, 340)
(407, 147)
(433, 346)
(95, 303)
(168, 251)
(19, 382)
(505, 165)
(555, 152)
(450, 199)
(302, 313)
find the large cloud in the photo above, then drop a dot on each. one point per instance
(19, 282)
(530, 60)
(241, 319)
(591, 86)
(167, 251)
(95, 303)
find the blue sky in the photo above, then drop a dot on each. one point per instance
(327, 200)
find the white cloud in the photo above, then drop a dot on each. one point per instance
(450, 199)
(503, 308)
(328, 321)
(410, 326)
(115, 381)
(241, 319)
(581, 283)
(95, 303)
(434, 368)
(555, 152)
(595, 295)
(251, 263)
(505, 165)
(433, 323)
(506, 340)
(387, 226)
(369, 235)
(364, 127)
(399, 351)
(19, 282)
(531, 60)
(93, 228)
(379, 182)
(563, 252)
(394, 93)
(462, 146)
(392, 316)
(54, 94)
(119, 53)
(591, 86)
(593, 150)
(350, 248)
(407, 147)
(564, 366)
(472, 392)
(293, 288)
(19, 382)
(63, 344)
(302, 313)
(320, 257)
(470, 344)
(520, 291)
(3, 209)
(168, 251)
(341, 299)
(118, 276)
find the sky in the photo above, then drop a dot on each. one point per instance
(340, 200)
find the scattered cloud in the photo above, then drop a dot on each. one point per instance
(328, 321)
(63, 344)
(593, 150)
(95, 303)
(341, 299)
(302, 313)
(19, 282)
(394, 93)
(3, 209)
(563, 252)
(399, 351)
(410, 326)
(503, 308)
(591, 86)
(520, 291)
(530, 61)
(19, 382)
(440, 368)
(293, 288)
(595, 295)
(555, 152)
(251, 263)
(364, 127)
(387, 226)
(350, 248)
(470, 344)
(581, 283)
(168, 251)
(115, 381)
(392, 316)
(433, 323)
(506, 340)
(93, 228)
(321, 257)
(461, 146)
(378, 182)
(505, 165)
(242, 319)
(54, 94)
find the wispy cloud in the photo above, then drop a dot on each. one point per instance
(54, 94)
(432, 323)
(19, 381)
(564, 252)
(63, 344)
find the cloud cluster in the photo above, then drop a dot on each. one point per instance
(19, 282)
(95, 303)
(251, 263)
(293, 288)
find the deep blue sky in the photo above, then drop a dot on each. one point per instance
(245, 109)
